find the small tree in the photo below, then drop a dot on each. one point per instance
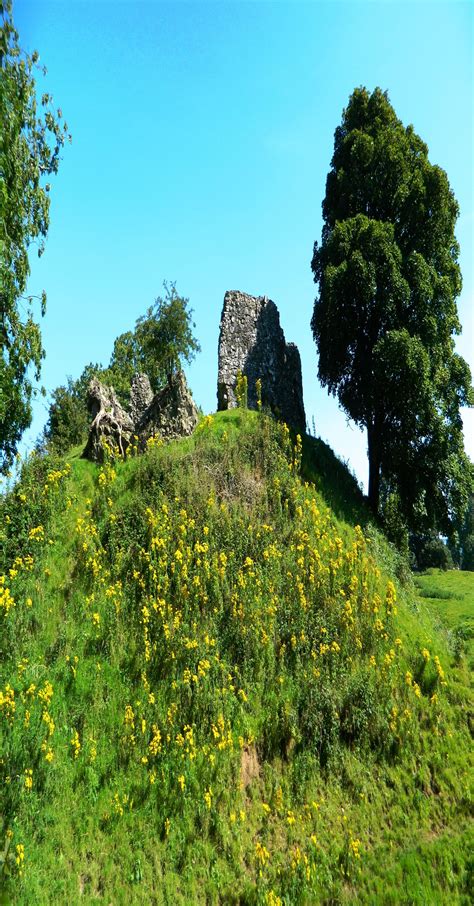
(164, 336)
(29, 150)
(388, 276)
(68, 417)
(125, 361)
(433, 553)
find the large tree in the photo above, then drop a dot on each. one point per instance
(31, 136)
(385, 315)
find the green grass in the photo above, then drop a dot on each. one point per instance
(450, 597)
(306, 754)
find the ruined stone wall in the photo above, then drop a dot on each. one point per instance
(251, 341)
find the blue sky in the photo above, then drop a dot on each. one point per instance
(202, 137)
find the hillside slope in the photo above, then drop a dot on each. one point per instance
(213, 689)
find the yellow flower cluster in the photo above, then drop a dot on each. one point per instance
(154, 442)
(45, 694)
(262, 854)
(439, 670)
(20, 857)
(300, 858)
(107, 475)
(55, 476)
(355, 848)
(205, 423)
(75, 744)
(272, 899)
(36, 534)
(7, 600)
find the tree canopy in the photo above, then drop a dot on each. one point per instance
(385, 316)
(31, 136)
(165, 336)
(68, 418)
(162, 340)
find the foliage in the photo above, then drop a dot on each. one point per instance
(241, 391)
(165, 336)
(394, 523)
(30, 144)
(433, 552)
(465, 545)
(468, 553)
(212, 690)
(68, 418)
(162, 340)
(125, 361)
(388, 275)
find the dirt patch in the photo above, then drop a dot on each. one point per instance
(84, 882)
(249, 766)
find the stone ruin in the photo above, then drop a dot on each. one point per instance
(251, 341)
(141, 396)
(169, 413)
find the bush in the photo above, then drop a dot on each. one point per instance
(435, 553)
(68, 417)
(468, 553)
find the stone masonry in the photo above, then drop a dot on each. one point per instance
(251, 341)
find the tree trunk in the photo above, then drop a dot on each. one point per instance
(374, 467)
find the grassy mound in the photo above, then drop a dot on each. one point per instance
(214, 688)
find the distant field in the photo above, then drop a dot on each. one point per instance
(451, 595)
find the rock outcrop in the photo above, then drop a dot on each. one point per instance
(251, 341)
(111, 424)
(141, 396)
(170, 413)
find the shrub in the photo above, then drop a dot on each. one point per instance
(434, 553)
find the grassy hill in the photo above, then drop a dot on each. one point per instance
(218, 684)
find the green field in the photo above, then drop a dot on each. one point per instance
(450, 597)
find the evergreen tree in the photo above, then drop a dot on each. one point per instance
(384, 319)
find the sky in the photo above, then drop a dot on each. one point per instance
(202, 138)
